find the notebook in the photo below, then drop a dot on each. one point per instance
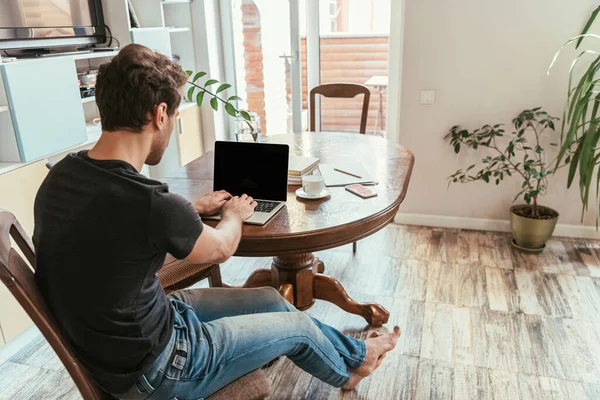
(300, 165)
(336, 178)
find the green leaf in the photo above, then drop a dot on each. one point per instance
(588, 25)
(245, 115)
(230, 109)
(189, 73)
(234, 98)
(200, 98)
(485, 178)
(190, 94)
(457, 148)
(223, 87)
(198, 76)
(214, 103)
(573, 167)
(210, 82)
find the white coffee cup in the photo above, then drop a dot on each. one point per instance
(313, 185)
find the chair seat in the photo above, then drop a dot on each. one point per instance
(254, 386)
(178, 274)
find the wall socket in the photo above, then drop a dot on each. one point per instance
(428, 97)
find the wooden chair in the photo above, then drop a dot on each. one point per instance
(342, 90)
(20, 280)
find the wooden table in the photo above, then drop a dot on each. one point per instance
(306, 226)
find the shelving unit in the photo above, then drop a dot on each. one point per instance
(148, 29)
(88, 100)
(100, 54)
(178, 29)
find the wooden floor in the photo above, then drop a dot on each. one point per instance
(479, 321)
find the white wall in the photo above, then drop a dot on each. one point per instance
(487, 61)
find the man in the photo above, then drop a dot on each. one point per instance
(102, 231)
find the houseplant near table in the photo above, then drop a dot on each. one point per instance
(580, 131)
(521, 155)
(197, 92)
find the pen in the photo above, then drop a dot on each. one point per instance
(348, 173)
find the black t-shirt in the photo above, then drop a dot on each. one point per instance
(102, 231)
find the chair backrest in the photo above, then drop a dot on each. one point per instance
(341, 90)
(20, 281)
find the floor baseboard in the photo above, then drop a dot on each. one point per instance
(483, 224)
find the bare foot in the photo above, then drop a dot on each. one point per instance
(377, 347)
(381, 357)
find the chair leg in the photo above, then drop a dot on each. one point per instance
(354, 248)
(214, 278)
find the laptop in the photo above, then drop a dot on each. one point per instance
(259, 170)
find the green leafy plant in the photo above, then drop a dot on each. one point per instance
(196, 93)
(522, 155)
(580, 130)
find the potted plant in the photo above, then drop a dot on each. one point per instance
(521, 155)
(197, 92)
(581, 121)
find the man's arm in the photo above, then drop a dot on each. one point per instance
(217, 245)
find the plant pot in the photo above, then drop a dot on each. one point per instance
(531, 234)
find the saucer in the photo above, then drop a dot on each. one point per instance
(302, 194)
(525, 249)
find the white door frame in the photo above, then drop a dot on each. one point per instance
(296, 65)
(313, 57)
(394, 92)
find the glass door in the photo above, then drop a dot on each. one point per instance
(264, 66)
(282, 49)
(353, 47)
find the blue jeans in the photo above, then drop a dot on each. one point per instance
(221, 335)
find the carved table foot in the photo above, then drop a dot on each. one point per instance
(329, 289)
(300, 280)
(259, 278)
(302, 273)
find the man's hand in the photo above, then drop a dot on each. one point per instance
(212, 203)
(242, 206)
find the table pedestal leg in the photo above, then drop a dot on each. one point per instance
(299, 271)
(300, 280)
(259, 278)
(329, 289)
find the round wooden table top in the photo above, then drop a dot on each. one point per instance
(310, 225)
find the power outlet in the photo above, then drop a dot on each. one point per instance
(427, 97)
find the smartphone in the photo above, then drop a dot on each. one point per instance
(361, 191)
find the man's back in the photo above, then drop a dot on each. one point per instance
(101, 232)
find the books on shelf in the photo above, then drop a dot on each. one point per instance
(300, 166)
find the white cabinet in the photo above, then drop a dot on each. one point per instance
(45, 105)
(189, 135)
(19, 188)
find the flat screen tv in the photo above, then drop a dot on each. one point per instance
(50, 23)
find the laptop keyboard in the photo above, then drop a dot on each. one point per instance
(265, 206)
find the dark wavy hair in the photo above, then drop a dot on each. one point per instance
(130, 86)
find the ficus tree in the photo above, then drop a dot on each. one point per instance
(520, 154)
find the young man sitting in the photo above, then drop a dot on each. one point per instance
(102, 231)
